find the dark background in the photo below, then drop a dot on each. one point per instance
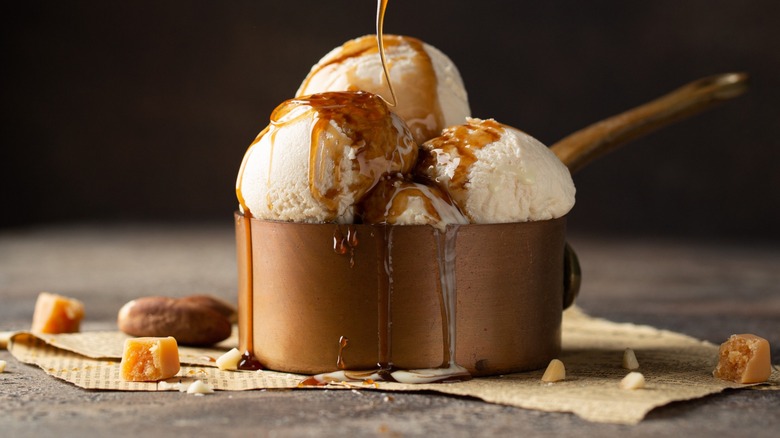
(142, 110)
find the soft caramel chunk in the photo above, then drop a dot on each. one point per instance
(57, 314)
(744, 359)
(149, 359)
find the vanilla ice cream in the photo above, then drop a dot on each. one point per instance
(497, 174)
(396, 201)
(428, 87)
(320, 155)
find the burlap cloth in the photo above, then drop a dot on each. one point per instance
(676, 367)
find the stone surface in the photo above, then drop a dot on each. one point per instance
(707, 290)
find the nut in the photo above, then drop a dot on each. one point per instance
(188, 320)
(214, 303)
(633, 380)
(555, 372)
(629, 360)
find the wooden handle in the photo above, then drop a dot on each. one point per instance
(585, 145)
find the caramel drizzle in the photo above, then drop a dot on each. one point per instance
(385, 302)
(381, 7)
(423, 115)
(445, 247)
(343, 344)
(392, 196)
(379, 146)
(343, 244)
(461, 141)
(246, 290)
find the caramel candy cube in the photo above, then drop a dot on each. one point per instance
(744, 359)
(149, 359)
(57, 314)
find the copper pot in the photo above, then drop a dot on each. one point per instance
(306, 308)
(315, 298)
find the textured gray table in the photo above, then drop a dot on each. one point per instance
(706, 290)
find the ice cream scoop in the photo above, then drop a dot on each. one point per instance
(320, 155)
(428, 87)
(497, 174)
(395, 201)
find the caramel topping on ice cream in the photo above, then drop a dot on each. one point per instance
(366, 120)
(350, 140)
(456, 146)
(427, 88)
(497, 174)
(398, 202)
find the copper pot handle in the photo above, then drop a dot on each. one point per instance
(580, 148)
(572, 276)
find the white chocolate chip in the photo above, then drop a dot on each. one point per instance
(629, 360)
(633, 380)
(2, 366)
(199, 388)
(165, 386)
(229, 360)
(555, 372)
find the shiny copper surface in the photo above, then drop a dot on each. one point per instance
(306, 297)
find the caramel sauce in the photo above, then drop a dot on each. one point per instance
(449, 370)
(340, 246)
(343, 244)
(311, 381)
(385, 301)
(355, 140)
(367, 120)
(245, 292)
(445, 248)
(381, 7)
(460, 141)
(394, 196)
(248, 362)
(416, 102)
(352, 237)
(343, 344)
